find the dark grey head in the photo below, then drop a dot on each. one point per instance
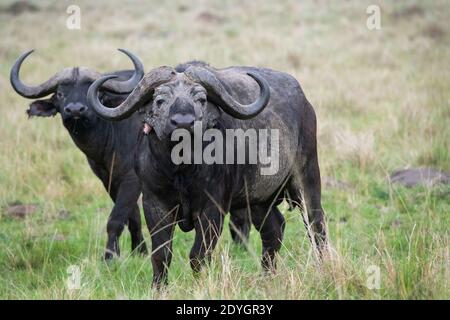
(68, 89)
(176, 100)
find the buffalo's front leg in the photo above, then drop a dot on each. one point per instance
(239, 225)
(208, 227)
(160, 222)
(125, 195)
(135, 227)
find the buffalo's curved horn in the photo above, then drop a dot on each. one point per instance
(219, 95)
(38, 91)
(51, 84)
(142, 93)
(128, 85)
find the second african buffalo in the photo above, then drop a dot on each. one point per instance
(108, 146)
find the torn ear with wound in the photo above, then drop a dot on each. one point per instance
(41, 108)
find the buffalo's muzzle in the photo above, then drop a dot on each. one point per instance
(75, 109)
(182, 120)
(182, 115)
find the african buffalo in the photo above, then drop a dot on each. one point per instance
(196, 196)
(108, 146)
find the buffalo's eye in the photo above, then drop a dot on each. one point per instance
(159, 102)
(201, 100)
(59, 95)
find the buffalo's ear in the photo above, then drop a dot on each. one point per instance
(42, 108)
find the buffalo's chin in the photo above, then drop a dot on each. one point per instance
(79, 121)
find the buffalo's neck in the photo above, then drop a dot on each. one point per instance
(188, 180)
(95, 142)
(160, 156)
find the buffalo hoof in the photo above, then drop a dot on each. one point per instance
(110, 255)
(140, 250)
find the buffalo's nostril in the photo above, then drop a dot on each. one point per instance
(75, 109)
(181, 120)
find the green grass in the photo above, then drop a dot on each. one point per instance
(382, 101)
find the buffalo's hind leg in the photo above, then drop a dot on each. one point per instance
(307, 182)
(270, 223)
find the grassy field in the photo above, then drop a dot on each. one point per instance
(382, 100)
